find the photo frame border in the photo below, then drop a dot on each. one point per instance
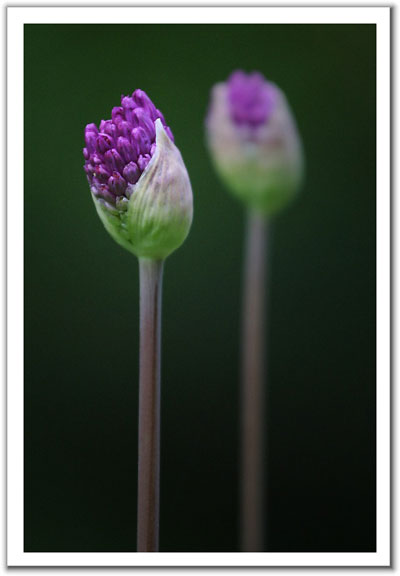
(17, 16)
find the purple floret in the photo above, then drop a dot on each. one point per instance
(251, 99)
(118, 151)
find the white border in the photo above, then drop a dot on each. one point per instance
(16, 18)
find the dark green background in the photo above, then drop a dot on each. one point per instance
(81, 298)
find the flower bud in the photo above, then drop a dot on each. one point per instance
(131, 173)
(253, 141)
(139, 183)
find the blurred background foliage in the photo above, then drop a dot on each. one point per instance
(81, 298)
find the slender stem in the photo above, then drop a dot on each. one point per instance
(151, 273)
(253, 382)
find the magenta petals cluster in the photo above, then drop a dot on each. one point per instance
(118, 151)
(251, 99)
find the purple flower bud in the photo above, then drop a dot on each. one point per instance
(102, 174)
(141, 118)
(124, 129)
(89, 173)
(117, 184)
(104, 142)
(109, 128)
(141, 139)
(117, 114)
(143, 161)
(113, 160)
(254, 142)
(125, 148)
(143, 101)
(96, 159)
(128, 105)
(103, 191)
(91, 128)
(251, 98)
(90, 140)
(119, 150)
(131, 173)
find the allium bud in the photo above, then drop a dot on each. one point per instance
(139, 183)
(253, 141)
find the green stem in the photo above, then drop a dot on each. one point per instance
(151, 273)
(253, 382)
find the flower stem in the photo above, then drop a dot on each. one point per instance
(151, 273)
(253, 382)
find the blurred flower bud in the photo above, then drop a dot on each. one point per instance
(253, 141)
(139, 183)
